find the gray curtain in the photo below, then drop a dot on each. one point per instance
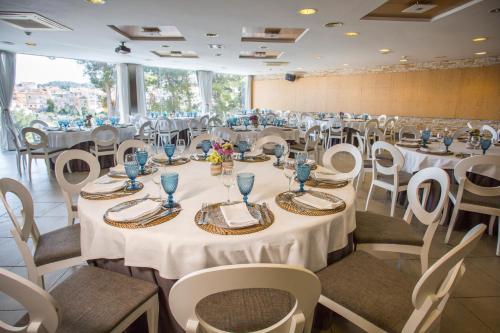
(7, 81)
(204, 79)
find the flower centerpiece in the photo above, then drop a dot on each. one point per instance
(225, 151)
(254, 120)
(215, 160)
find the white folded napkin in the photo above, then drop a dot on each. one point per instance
(120, 168)
(162, 158)
(135, 212)
(316, 202)
(323, 176)
(238, 216)
(99, 186)
(254, 153)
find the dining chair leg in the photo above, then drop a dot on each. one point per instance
(30, 160)
(453, 220)
(18, 163)
(445, 211)
(152, 316)
(368, 197)
(491, 224)
(47, 163)
(498, 239)
(394, 197)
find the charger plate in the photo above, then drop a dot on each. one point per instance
(137, 224)
(438, 152)
(217, 224)
(285, 201)
(312, 182)
(123, 192)
(148, 170)
(178, 161)
(254, 159)
(407, 145)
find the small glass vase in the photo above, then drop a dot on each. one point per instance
(215, 169)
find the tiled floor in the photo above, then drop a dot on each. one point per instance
(475, 306)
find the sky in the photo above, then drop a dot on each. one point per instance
(41, 69)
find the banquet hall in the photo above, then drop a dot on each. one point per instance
(324, 166)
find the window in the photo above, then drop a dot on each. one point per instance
(171, 90)
(50, 88)
(228, 93)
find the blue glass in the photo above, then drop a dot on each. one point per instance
(99, 122)
(303, 171)
(426, 135)
(169, 181)
(246, 122)
(264, 121)
(142, 159)
(485, 144)
(278, 152)
(242, 147)
(300, 158)
(447, 140)
(79, 123)
(245, 184)
(132, 170)
(169, 151)
(205, 147)
(114, 121)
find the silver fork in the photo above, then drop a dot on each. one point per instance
(168, 212)
(122, 207)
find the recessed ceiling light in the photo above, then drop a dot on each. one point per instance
(334, 24)
(479, 39)
(481, 53)
(307, 11)
(97, 2)
(346, 64)
(211, 34)
(351, 34)
(495, 10)
(30, 44)
(7, 42)
(385, 51)
(318, 57)
(216, 46)
(403, 59)
(300, 68)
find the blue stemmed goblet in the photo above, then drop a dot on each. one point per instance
(246, 122)
(169, 151)
(169, 181)
(242, 147)
(485, 144)
(303, 172)
(142, 159)
(278, 152)
(300, 158)
(132, 170)
(447, 140)
(205, 147)
(245, 184)
(426, 135)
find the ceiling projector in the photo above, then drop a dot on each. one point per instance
(122, 49)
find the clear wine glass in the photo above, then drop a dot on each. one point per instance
(289, 171)
(181, 146)
(228, 180)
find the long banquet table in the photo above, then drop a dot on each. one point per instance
(168, 251)
(241, 133)
(68, 139)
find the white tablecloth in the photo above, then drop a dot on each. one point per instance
(179, 124)
(415, 161)
(179, 246)
(62, 139)
(239, 133)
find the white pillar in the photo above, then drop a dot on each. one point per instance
(141, 91)
(123, 89)
(248, 92)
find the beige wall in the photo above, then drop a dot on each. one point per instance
(472, 93)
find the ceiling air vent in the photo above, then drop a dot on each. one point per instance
(276, 63)
(272, 31)
(151, 30)
(418, 8)
(31, 22)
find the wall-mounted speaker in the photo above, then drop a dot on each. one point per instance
(290, 77)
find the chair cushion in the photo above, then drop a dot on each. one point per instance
(96, 300)
(380, 229)
(245, 310)
(58, 245)
(369, 288)
(404, 178)
(301, 147)
(474, 199)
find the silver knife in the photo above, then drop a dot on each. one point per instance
(165, 213)
(122, 206)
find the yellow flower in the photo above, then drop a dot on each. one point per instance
(227, 145)
(214, 157)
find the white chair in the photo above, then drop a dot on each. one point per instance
(375, 232)
(37, 123)
(213, 122)
(390, 178)
(380, 299)
(268, 142)
(21, 151)
(344, 148)
(91, 298)
(105, 140)
(381, 119)
(270, 131)
(311, 143)
(491, 130)
(474, 198)
(365, 147)
(409, 131)
(194, 129)
(126, 145)
(52, 251)
(37, 146)
(464, 131)
(146, 133)
(71, 189)
(194, 296)
(204, 123)
(165, 130)
(196, 141)
(389, 126)
(335, 132)
(225, 133)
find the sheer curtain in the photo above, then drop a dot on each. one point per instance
(248, 92)
(204, 79)
(123, 90)
(141, 92)
(7, 81)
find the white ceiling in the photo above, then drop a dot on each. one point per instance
(92, 39)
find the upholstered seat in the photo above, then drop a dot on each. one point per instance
(404, 178)
(380, 229)
(471, 198)
(370, 288)
(301, 146)
(96, 300)
(42, 151)
(245, 310)
(103, 148)
(58, 245)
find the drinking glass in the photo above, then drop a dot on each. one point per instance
(278, 152)
(426, 135)
(246, 122)
(205, 147)
(475, 141)
(289, 171)
(142, 158)
(242, 147)
(245, 184)
(181, 146)
(303, 171)
(132, 170)
(447, 140)
(485, 144)
(169, 181)
(301, 157)
(169, 151)
(227, 178)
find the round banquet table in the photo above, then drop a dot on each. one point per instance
(68, 139)
(179, 124)
(239, 133)
(168, 251)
